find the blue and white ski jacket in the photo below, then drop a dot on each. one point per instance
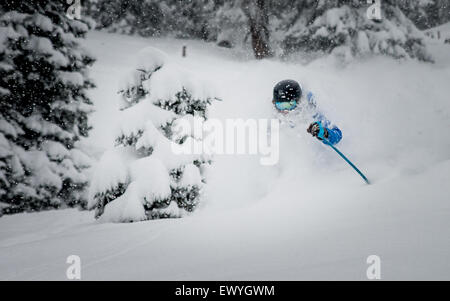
(307, 111)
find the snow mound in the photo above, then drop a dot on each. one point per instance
(134, 119)
(157, 97)
(152, 179)
(111, 170)
(148, 60)
(174, 79)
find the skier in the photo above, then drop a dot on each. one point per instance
(287, 98)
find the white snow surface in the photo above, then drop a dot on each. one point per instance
(308, 217)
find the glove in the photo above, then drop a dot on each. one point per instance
(317, 130)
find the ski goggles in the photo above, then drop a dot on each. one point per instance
(286, 106)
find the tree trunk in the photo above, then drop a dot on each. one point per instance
(258, 18)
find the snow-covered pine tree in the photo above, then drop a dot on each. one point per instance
(180, 18)
(342, 27)
(43, 106)
(229, 25)
(146, 18)
(142, 177)
(416, 11)
(189, 19)
(426, 13)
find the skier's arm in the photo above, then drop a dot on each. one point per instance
(330, 132)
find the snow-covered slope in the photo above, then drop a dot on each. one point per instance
(308, 217)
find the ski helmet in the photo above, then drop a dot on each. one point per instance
(287, 91)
